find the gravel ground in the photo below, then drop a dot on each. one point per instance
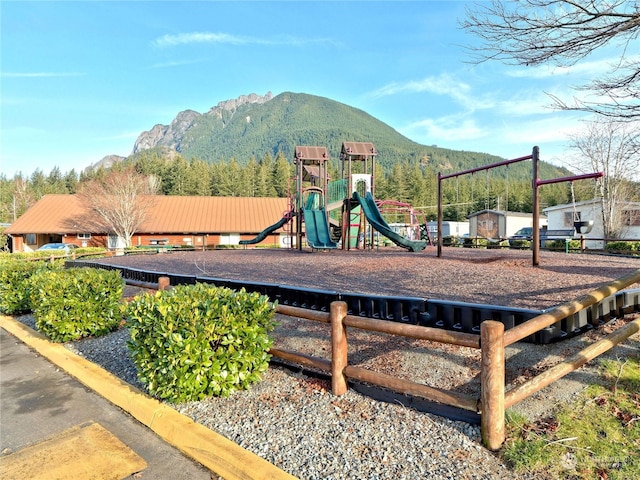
(292, 420)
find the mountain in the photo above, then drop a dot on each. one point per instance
(254, 125)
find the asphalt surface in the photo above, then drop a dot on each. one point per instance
(38, 401)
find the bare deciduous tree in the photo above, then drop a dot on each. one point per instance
(613, 148)
(121, 200)
(562, 33)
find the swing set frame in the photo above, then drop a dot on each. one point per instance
(535, 186)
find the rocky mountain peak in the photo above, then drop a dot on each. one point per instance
(172, 135)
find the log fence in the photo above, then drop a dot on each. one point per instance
(495, 398)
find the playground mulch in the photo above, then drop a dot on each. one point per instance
(498, 277)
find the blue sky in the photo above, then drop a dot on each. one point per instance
(81, 80)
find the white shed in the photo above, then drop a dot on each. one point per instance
(449, 229)
(498, 225)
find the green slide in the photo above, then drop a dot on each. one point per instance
(262, 235)
(317, 229)
(374, 217)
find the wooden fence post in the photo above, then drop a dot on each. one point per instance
(492, 384)
(164, 283)
(338, 348)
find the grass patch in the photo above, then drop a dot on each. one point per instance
(597, 437)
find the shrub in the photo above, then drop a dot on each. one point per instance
(628, 248)
(195, 341)
(475, 242)
(448, 241)
(76, 303)
(497, 244)
(95, 252)
(520, 244)
(15, 275)
(561, 245)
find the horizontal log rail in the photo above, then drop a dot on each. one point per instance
(492, 341)
(519, 393)
(462, 339)
(302, 359)
(556, 314)
(396, 384)
(314, 315)
(342, 371)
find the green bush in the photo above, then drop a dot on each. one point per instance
(561, 245)
(448, 241)
(76, 303)
(628, 248)
(197, 341)
(498, 244)
(15, 275)
(93, 252)
(520, 244)
(475, 242)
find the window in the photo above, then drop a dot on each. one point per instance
(159, 241)
(631, 218)
(570, 217)
(229, 238)
(84, 236)
(30, 238)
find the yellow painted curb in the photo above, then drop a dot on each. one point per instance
(205, 446)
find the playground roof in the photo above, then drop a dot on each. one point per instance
(61, 214)
(311, 154)
(310, 172)
(358, 149)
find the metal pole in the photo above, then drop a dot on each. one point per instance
(439, 225)
(536, 207)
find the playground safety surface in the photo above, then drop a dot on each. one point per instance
(497, 277)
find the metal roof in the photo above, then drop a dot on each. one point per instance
(167, 214)
(358, 149)
(309, 154)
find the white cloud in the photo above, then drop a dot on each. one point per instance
(40, 74)
(199, 37)
(229, 39)
(444, 129)
(551, 129)
(177, 63)
(587, 68)
(443, 84)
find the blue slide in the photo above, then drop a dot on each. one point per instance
(262, 235)
(317, 229)
(374, 217)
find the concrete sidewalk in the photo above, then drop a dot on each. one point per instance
(39, 398)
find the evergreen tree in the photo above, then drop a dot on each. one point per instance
(200, 174)
(282, 172)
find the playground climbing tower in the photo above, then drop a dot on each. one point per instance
(358, 166)
(311, 189)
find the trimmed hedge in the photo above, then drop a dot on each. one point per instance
(629, 248)
(76, 303)
(15, 284)
(196, 341)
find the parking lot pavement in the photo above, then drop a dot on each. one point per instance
(39, 401)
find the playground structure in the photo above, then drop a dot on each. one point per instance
(344, 210)
(579, 225)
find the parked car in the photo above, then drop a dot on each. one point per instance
(62, 247)
(525, 233)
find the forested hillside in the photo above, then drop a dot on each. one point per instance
(246, 149)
